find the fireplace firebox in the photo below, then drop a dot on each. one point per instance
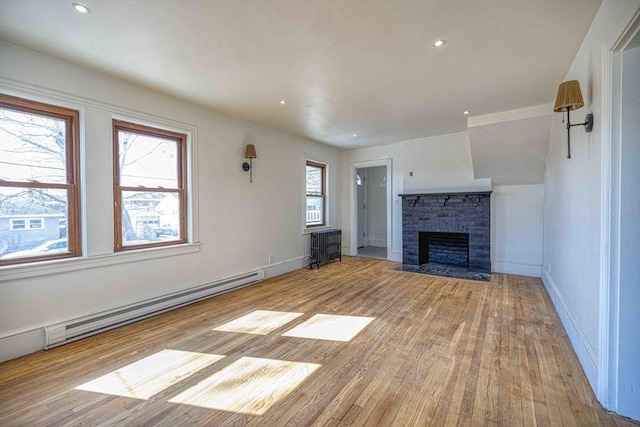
(444, 248)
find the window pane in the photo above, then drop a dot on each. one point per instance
(314, 180)
(35, 223)
(31, 222)
(32, 147)
(149, 217)
(314, 211)
(149, 161)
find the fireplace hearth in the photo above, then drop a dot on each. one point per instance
(447, 234)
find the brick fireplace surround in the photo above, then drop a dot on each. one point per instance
(444, 217)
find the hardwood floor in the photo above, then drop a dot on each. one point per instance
(353, 343)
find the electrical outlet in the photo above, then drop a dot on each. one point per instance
(270, 258)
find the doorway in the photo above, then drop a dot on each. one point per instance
(360, 220)
(623, 345)
(371, 188)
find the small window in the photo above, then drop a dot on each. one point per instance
(39, 180)
(35, 224)
(316, 194)
(18, 224)
(150, 186)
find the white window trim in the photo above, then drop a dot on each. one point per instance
(44, 268)
(66, 265)
(191, 162)
(327, 171)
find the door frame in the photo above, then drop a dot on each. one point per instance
(608, 347)
(353, 202)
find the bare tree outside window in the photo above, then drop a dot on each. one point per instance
(39, 184)
(150, 186)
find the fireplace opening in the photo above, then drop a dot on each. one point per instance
(443, 248)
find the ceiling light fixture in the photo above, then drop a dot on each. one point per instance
(81, 8)
(355, 135)
(439, 43)
(283, 101)
(465, 113)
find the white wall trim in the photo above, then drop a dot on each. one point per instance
(376, 242)
(606, 385)
(510, 115)
(585, 352)
(282, 267)
(47, 268)
(530, 270)
(353, 202)
(29, 339)
(602, 385)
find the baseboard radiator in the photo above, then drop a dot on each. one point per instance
(73, 330)
(325, 246)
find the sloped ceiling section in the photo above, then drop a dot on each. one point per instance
(511, 148)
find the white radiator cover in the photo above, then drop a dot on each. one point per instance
(75, 329)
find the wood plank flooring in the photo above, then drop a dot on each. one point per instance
(353, 343)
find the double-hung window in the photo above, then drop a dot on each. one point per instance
(150, 188)
(39, 181)
(316, 194)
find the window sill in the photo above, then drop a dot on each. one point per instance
(46, 268)
(313, 229)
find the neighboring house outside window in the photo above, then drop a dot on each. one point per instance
(150, 186)
(26, 224)
(315, 194)
(39, 181)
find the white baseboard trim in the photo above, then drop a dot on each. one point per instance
(584, 350)
(516, 268)
(21, 343)
(381, 243)
(282, 267)
(26, 340)
(396, 256)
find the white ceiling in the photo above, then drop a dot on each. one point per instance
(345, 67)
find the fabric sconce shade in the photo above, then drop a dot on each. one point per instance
(569, 97)
(249, 153)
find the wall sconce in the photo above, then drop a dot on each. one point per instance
(249, 153)
(569, 97)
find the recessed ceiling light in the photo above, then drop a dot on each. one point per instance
(439, 43)
(465, 113)
(81, 8)
(283, 101)
(355, 135)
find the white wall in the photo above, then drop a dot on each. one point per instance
(443, 163)
(440, 163)
(516, 224)
(376, 206)
(239, 224)
(574, 196)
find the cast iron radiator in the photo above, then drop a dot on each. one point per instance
(325, 246)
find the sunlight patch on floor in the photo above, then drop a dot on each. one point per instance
(330, 327)
(151, 375)
(260, 322)
(250, 385)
